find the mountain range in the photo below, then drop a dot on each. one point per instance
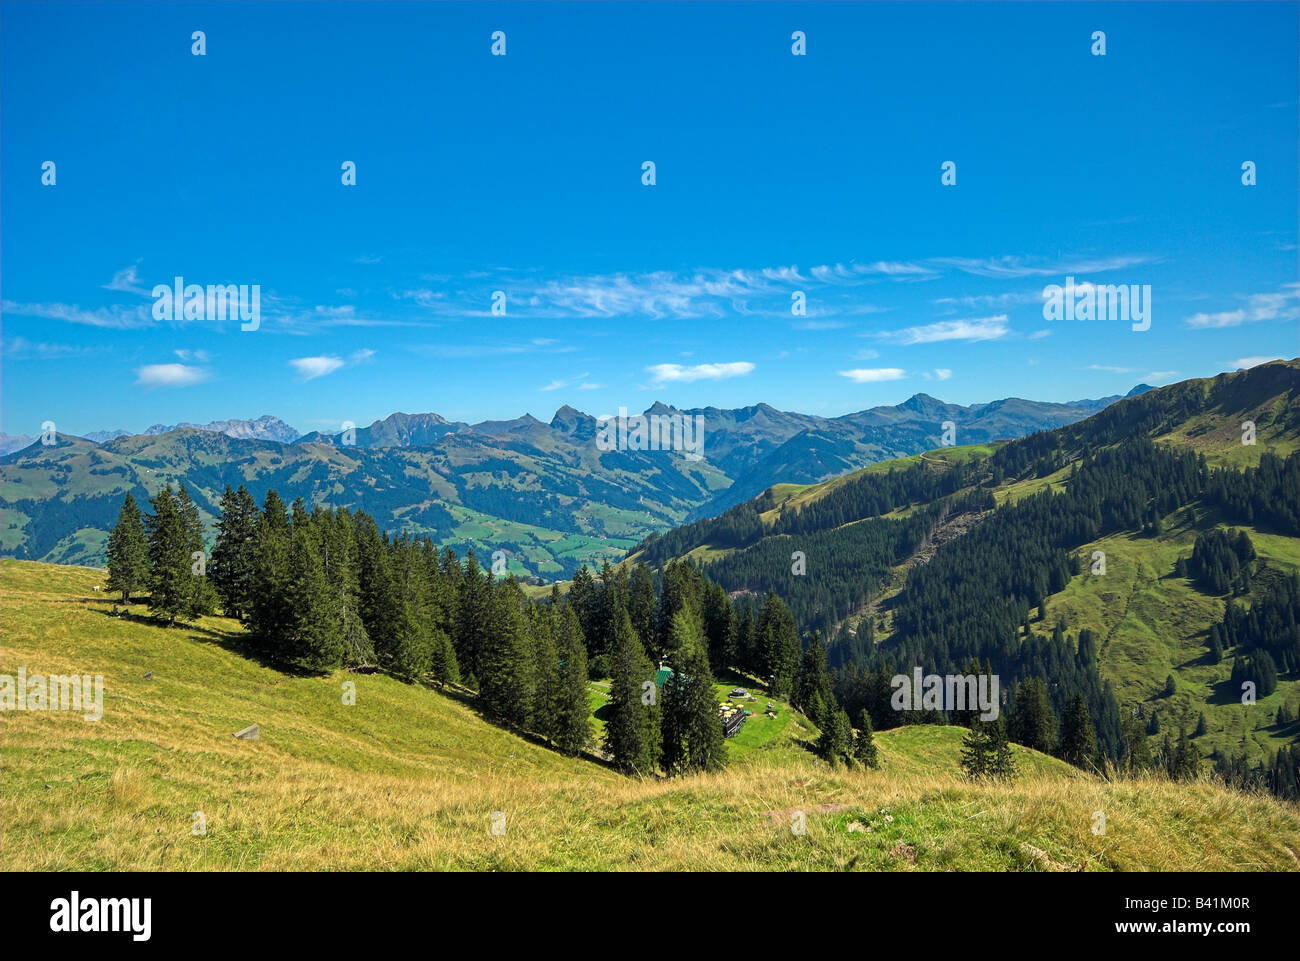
(544, 493)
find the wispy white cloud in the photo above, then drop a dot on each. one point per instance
(1258, 307)
(309, 368)
(112, 317)
(942, 373)
(1248, 362)
(976, 329)
(568, 382)
(676, 373)
(127, 280)
(985, 301)
(170, 375)
(873, 375)
(20, 348)
(1013, 267)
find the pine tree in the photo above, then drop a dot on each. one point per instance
(642, 605)
(271, 617)
(444, 667)
(692, 731)
(835, 745)
(719, 628)
(864, 743)
(572, 728)
(234, 552)
(128, 551)
(546, 670)
(812, 681)
(1137, 752)
(1033, 722)
(632, 730)
(475, 615)
(379, 599)
(339, 547)
(203, 596)
(975, 760)
(411, 652)
(1002, 764)
(671, 600)
(1184, 762)
(315, 639)
(1078, 736)
(778, 645)
(506, 666)
(1201, 727)
(172, 591)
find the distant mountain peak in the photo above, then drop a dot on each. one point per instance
(266, 427)
(1139, 389)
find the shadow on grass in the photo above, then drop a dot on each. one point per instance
(471, 700)
(236, 642)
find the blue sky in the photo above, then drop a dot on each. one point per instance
(522, 173)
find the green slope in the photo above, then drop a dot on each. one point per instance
(408, 778)
(1152, 624)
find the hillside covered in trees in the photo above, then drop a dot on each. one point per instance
(953, 560)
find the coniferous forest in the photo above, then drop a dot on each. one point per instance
(318, 589)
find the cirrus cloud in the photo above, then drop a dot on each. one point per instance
(977, 329)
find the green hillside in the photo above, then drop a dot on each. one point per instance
(409, 778)
(1150, 622)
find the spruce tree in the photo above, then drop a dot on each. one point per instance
(835, 745)
(572, 726)
(1002, 764)
(128, 551)
(1078, 736)
(812, 681)
(271, 617)
(1033, 722)
(315, 639)
(777, 643)
(692, 730)
(202, 595)
(642, 605)
(411, 652)
(976, 757)
(986, 752)
(234, 552)
(506, 666)
(546, 670)
(632, 730)
(864, 743)
(444, 667)
(171, 576)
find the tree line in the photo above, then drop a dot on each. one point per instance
(319, 589)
